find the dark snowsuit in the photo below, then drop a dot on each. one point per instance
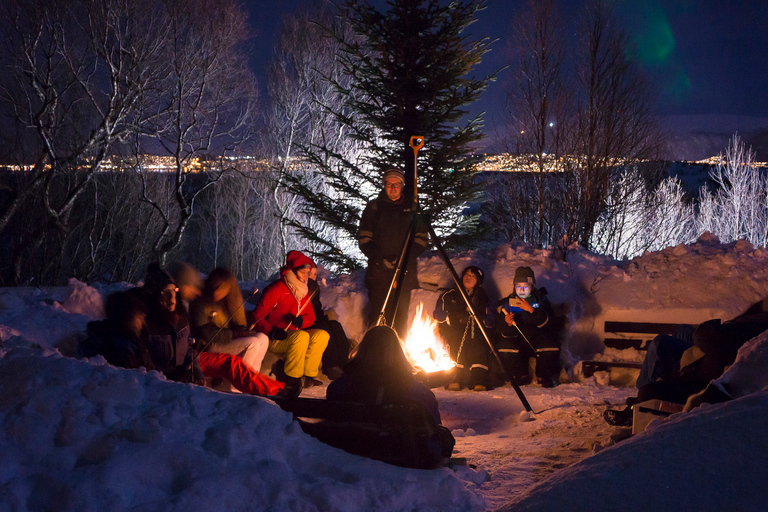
(538, 329)
(383, 229)
(336, 354)
(168, 341)
(467, 344)
(116, 344)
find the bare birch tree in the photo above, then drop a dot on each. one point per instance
(614, 118)
(738, 208)
(538, 104)
(205, 109)
(73, 72)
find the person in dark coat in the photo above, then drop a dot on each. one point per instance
(167, 329)
(467, 344)
(218, 319)
(119, 338)
(526, 314)
(336, 354)
(380, 374)
(384, 225)
(168, 336)
(715, 345)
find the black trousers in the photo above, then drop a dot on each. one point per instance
(472, 357)
(377, 292)
(337, 352)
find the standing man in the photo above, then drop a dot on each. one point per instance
(383, 230)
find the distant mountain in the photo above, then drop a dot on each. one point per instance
(695, 137)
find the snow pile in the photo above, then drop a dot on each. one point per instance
(82, 436)
(83, 299)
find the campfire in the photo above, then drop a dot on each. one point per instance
(424, 348)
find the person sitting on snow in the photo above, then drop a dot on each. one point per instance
(336, 354)
(525, 327)
(218, 320)
(467, 344)
(283, 313)
(119, 338)
(168, 335)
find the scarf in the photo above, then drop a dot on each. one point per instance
(298, 289)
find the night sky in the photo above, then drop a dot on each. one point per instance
(706, 56)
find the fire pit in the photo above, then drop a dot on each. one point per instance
(428, 352)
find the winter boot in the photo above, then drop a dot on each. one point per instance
(619, 418)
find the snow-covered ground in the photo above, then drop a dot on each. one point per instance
(81, 435)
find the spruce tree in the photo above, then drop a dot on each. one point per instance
(408, 72)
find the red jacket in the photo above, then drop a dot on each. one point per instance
(278, 307)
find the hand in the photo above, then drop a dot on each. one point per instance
(510, 319)
(296, 321)
(525, 305)
(277, 334)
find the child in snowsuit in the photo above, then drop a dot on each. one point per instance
(524, 325)
(467, 344)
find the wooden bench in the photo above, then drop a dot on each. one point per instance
(402, 435)
(626, 335)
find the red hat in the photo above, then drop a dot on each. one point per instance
(295, 260)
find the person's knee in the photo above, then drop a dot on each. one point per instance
(320, 339)
(301, 339)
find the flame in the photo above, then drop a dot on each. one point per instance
(423, 346)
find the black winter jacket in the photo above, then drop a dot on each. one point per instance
(383, 228)
(536, 326)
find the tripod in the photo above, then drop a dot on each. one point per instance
(398, 277)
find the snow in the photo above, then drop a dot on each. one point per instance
(82, 435)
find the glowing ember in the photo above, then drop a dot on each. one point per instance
(423, 346)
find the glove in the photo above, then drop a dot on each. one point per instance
(277, 334)
(295, 321)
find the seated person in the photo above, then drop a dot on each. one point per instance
(467, 345)
(663, 355)
(119, 338)
(283, 312)
(218, 320)
(167, 332)
(380, 374)
(336, 354)
(714, 349)
(525, 328)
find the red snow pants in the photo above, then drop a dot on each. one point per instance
(233, 369)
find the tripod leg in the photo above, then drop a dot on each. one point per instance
(397, 277)
(460, 286)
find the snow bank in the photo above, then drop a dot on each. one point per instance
(86, 436)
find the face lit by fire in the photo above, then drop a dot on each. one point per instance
(302, 273)
(394, 188)
(523, 290)
(167, 297)
(469, 280)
